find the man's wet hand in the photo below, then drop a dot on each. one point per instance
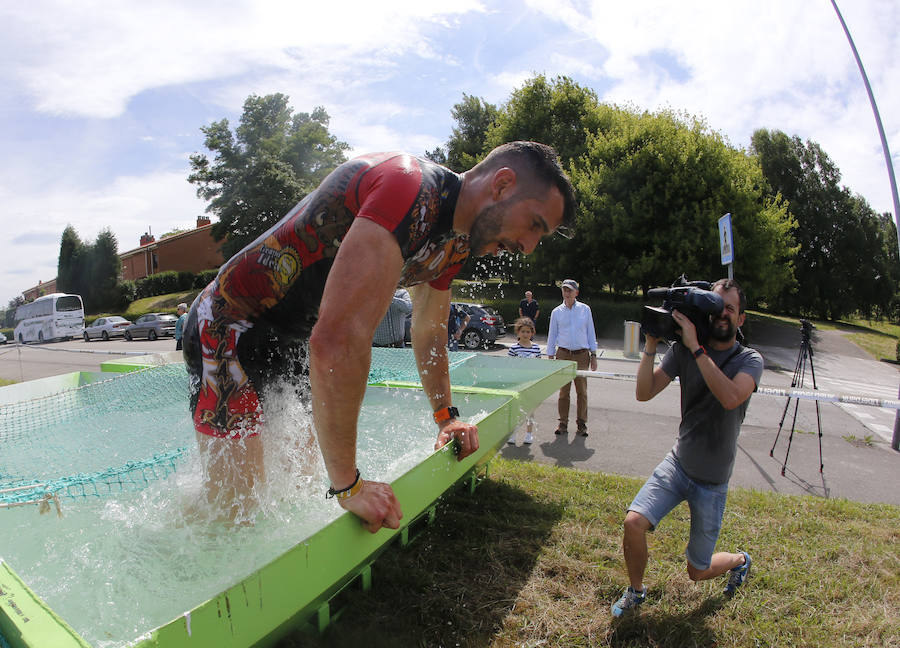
(465, 434)
(376, 505)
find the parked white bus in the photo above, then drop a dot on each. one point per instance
(50, 317)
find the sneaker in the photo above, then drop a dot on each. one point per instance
(561, 430)
(738, 575)
(582, 431)
(631, 598)
(511, 441)
(528, 438)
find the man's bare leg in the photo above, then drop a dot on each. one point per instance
(233, 467)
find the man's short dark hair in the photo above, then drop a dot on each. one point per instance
(540, 165)
(728, 284)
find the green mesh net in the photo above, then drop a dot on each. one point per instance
(119, 434)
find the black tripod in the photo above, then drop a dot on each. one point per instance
(799, 375)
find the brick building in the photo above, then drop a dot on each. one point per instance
(193, 251)
(43, 288)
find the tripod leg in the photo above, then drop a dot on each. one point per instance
(780, 424)
(795, 379)
(790, 437)
(812, 371)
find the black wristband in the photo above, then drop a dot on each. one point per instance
(344, 493)
(699, 352)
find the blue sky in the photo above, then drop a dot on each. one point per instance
(103, 101)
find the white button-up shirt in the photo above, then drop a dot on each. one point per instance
(571, 328)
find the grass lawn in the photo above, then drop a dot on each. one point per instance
(534, 559)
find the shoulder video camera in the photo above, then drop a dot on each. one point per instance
(694, 299)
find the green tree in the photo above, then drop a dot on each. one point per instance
(71, 251)
(846, 261)
(652, 187)
(9, 320)
(73, 269)
(466, 146)
(261, 170)
(105, 267)
(90, 269)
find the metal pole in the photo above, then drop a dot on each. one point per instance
(895, 442)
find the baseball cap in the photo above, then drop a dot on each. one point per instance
(570, 283)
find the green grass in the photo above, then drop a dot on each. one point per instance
(4, 382)
(159, 304)
(534, 559)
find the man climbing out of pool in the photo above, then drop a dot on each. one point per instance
(303, 301)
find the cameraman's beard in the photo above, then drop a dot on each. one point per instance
(720, 333)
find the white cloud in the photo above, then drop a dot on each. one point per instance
(137, 46)
(128, 206)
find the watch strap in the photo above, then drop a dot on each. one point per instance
(699, 352)
(445, 414)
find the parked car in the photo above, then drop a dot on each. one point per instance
(2, 339)
(151, 326)
(106, 327)
(485, 326)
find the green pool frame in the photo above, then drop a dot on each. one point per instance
(299, 588)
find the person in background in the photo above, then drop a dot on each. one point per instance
(179, 325)
(457, 322)
(572, 337)
(529, 308)
(391, 331)
(524, 348)
(716, 385)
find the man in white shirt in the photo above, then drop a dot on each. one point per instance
(572, 337)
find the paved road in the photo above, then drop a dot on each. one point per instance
(629, 438)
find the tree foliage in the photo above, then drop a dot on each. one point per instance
(90, 269)
(650, 187)
(474, 118)
(847, 259)
(261, 170)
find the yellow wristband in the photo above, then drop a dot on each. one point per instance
(344, 493)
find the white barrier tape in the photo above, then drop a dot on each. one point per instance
(804, 394)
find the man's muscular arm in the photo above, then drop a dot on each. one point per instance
(357, 292)
(431, 309)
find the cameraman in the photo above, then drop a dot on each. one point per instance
(716, 384)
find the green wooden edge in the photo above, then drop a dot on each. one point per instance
(26, 621)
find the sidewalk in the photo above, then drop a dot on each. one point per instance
(630, 438)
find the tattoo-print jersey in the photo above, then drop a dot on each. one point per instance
(271, 290)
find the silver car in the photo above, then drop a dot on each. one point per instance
(105, 328)
(2, 339)
(152, 326)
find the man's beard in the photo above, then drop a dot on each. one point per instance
(486, 228)
(722, 334)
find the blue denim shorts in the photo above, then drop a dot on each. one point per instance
(667, 487)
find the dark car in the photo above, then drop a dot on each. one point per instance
(106, 327)
(484, 327)
(151, 326)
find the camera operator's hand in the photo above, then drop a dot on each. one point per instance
(650, 343)
(688, 330)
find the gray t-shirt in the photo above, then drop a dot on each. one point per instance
(707, 437)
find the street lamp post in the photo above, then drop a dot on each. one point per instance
(895, 441)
